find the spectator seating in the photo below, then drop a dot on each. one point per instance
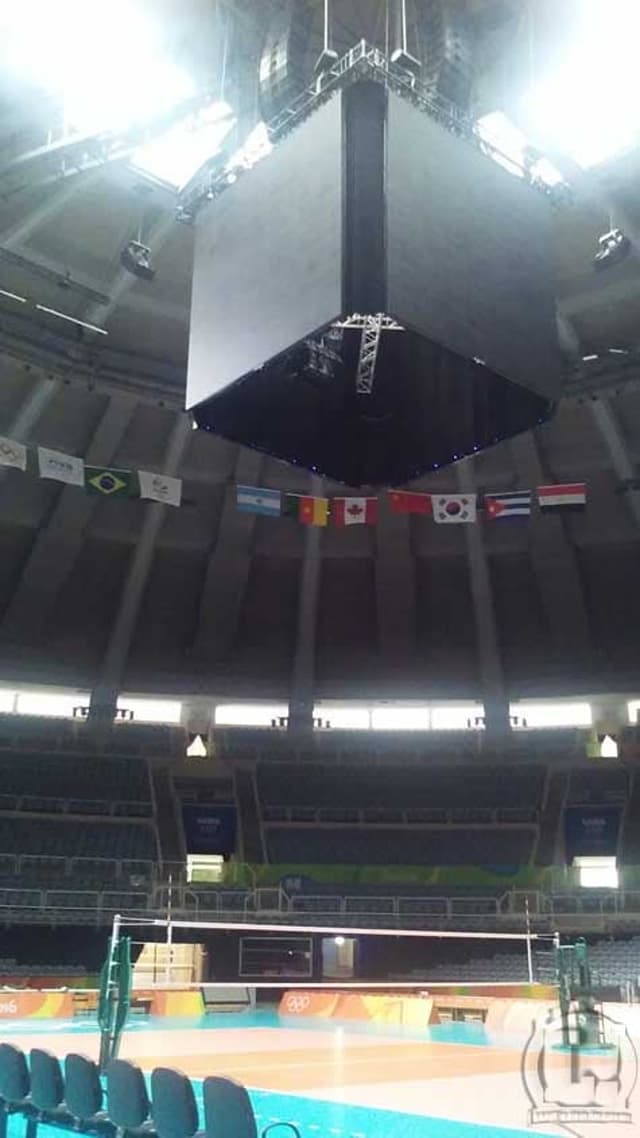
(45, 783)
(94, 839)
(482, 846)
(75, 735)
(204, 791)
(463, 787)
(597, 785)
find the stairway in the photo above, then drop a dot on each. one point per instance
(252, 845)
(550, 817)
(172, 849)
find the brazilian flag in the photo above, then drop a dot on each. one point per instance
(109, 483)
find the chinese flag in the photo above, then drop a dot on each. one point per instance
(410, 502)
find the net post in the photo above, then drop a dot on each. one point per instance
(528, 930)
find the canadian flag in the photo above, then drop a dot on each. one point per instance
(354, 511)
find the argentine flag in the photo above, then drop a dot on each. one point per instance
(257, 500)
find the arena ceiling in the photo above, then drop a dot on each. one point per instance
(215, 601)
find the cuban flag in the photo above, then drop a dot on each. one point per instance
(512, 505)
(258, 500)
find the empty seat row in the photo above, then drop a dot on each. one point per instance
(55, 837)
(453, 788)
(48, 775)
(487, 846)
(72, 1097)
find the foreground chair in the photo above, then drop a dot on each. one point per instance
(47, 1091)
(83, 1095)
(14, 1085)
(228, 1112)
(173, 1104)
(128, 1105)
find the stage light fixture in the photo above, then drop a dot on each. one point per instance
(136, 259)
(613, 247)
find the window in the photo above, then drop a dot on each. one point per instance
(633, 707)
(152, 710)
(510, 147)
(401, 718)
(597, 872)
(174, 157)
(7, 700)
(344, 718)
(557, 714)
(54, 704)
(457, 718)
(249, 714)
(197, 748)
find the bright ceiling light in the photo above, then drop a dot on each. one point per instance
(589, 108)
(177, 155)
(105, 62)
(509, 146)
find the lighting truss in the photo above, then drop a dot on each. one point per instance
(362, 60)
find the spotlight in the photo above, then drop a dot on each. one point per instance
(613, 247)
(136, 259)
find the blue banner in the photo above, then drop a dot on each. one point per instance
(591, 831)
(209, 829)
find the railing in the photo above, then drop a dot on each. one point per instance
(94, 807)
(400, 816)
(546, 912)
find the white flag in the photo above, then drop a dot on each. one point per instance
(160, 488)
(454, 508)
(61, 467)
(13, 454)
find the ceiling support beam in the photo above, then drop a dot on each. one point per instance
(59, 541)
(33, 407)
(104, 696)
(227, 572)
(303, 673)
(492, 683)
(554, 563)
(395, 583)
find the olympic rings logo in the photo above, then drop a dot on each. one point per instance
(296, 1003)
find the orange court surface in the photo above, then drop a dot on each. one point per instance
(359, 1080)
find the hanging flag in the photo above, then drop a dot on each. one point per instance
(160, 487)
(354, 511)
(110, 483)
(454, 508)
(258, 500)
(410, 502)
(60, 467)
(13, 454)
(512, 505)
(569, 496)
(310, 511)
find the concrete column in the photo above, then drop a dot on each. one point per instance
(32, 408)
(395, 580)
(58, 543)
(303, 674)
(105, 693)
(554, 562)
(227, 573)
(609, 427)
(496, 703)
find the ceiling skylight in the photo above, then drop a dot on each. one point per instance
(177, 155)
(509, 146)
(589, 107)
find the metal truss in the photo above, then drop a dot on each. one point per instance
(70, 154)
(372, 329)
(361, 60)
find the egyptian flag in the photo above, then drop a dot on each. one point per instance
(565, 496)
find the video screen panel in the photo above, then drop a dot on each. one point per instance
(469, 252)
(268, 258)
